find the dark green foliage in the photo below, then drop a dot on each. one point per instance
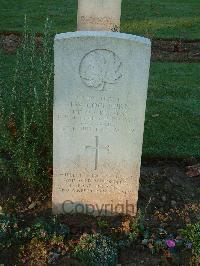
(192, 235)
(26, 103)
(8, 228)
(103, 224)
(96, 250)
(12, 230)
(46, 229)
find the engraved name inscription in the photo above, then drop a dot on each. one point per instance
(97, 114)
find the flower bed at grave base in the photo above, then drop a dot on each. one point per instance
(49, 240)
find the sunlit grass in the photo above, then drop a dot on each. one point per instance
(172, 127)
(153, 18)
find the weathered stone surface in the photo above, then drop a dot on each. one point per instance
(101, 81)
(95, 15)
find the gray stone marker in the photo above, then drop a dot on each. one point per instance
(101, 81)
(99, 15)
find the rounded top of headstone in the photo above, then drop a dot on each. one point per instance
(96, 34)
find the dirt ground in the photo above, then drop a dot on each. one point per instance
(176, 50)
(169, 197)
(162, 50)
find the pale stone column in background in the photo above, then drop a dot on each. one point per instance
(99, 15)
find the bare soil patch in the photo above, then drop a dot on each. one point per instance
(176, 50)
(162, 50)
(169, 198)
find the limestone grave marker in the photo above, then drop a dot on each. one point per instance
(101, 83)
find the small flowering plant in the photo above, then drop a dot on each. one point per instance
(161, 241)
(170, 243)
(96, 250)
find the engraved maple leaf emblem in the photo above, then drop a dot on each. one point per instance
(100, 67)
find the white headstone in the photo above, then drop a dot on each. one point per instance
(99, 15)
(101, 81)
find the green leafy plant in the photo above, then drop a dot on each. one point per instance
(48, 229)
(103, 224)
(133, 232)
(47, 238)
(34, 253)
(191, 234)
(8, 228)
(96, 250)
(26, 103)
(136, 227)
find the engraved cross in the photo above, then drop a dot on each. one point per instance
(96, 149)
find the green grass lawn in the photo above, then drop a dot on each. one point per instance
(172, 127)
(152, 18)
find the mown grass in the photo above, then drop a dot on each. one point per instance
(172, 128)
(152, 18)
(162, 18)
